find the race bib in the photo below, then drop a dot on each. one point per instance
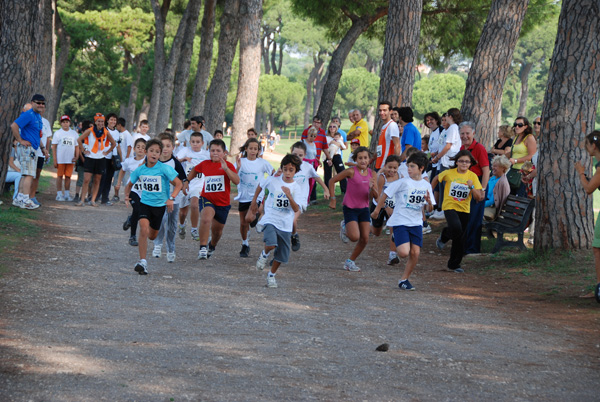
(415, 198)
(459, 191)
(151, 184)
(137, 186)
(379, 150)
(389, 203)
(214, 184)
(68, 141)
(281, 202)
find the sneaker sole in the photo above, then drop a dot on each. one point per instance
(140, 270)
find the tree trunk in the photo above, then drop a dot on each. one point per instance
(20, 23)
(207, 33)
(336, 64)
(183, 72)
(266, 45)
(564, 213)
(490, 67)
(143, 115)
(216, 98)
(312, 77)
(247, 92)
(320, 81)
(133, 93)
(524, 75)
(160, 18)
(185, 33)
(59, 64)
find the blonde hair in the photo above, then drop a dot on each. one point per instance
(312, 130)
(506, 131)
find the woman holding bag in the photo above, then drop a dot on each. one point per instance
(523, 148)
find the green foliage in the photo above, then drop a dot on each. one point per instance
(358, 89)
(438, 93)
(277, 95)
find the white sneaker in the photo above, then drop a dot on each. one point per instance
(438, 215)
(17, 203)
(393, 260)
(171, 257)
(141, 267)
(427, 229)
(157, 251)
(203, 254)
(59, 197)
(343, 232)
(271, 282)
(29, 204)
(195, 235)
(349, 265)
(182, 232)
(259, 228)
(261, 262)
(68, 197)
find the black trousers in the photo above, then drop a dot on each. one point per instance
(107, 178)
(455, 231)
(135, 215)
(338, 164)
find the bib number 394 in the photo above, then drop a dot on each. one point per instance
(459, 191)
(416, 198)
(214, 184)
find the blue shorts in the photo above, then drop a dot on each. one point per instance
(408, 234)
(356, 214)
(221, 213)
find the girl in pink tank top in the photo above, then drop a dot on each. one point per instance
(357, 218)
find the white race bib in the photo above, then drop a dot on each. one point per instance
(379, 151)
(214, 184)
(68, 141)
(415, 198)
(151, 184)
(280, 201)
(389, 203)
(137, 186)
(459, 191)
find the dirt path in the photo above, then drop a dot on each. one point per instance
(79, 325)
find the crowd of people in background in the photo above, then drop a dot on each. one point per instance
(409, 178)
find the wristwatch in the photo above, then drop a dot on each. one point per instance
(171, 198)
(472, 187)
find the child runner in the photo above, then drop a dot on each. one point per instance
(280, 207)
(190, 157)
(360, 189)
(65, 153)
(355, 143)
(215, 202)
(410, 195)
(169, 221)
(311, 153)
(251, 169)
(129, 165)
(156, 197)
(388, 174)
(460, 185)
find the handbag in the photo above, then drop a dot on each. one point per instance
(514, 178)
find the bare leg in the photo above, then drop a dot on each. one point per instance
(206, 220)
(411, 251)
(143, 237)
(362, 240)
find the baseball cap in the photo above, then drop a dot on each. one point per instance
(99, 116)
(355, 141)
(65, 117)
(38, 98)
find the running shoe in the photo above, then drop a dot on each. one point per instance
(393, 260)
(181, 232)
(458, 270)
(133, 241)
(76, 199)
(349, 265)
(439, 243)
(245, 253)
(261, 262)
(171, 256)
(295, 242)
(35, 201)
(141, 268)
(343, 232)
(427, 229)
(157, 251)
(195, 235)
(29, 204)
(271, 282)
(127, 223)
(60, 198)
(203, 253)
(68, 197)
(17, 203)
(438, 215)
(405, 285)
(211, 249)
(115, 198)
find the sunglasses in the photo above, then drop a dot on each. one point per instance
(40, 103)
(332, 126)
(537, 123)
(519, 125)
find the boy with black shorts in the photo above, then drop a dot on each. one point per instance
(214, 201)
(155, 177)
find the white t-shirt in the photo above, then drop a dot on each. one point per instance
(278, 211)
(403, 171)
(311, 150)
(129, 165)
(188, 166)
(434, 145)
(450, 136)
(46, 133)
(251, 173)
(409, 198)
(126, 140)
(184, 138)
(335, 147)
(115, 136)
(301, 177)
(65, 142)
(138, 135)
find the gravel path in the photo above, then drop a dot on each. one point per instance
(78, 324)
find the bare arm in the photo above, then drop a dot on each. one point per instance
(588, 185)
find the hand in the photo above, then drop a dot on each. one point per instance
(329, 162)
(375, 213)
(469, 183)
(427, 198)
(286, 191)
(55, 165)
(224, 164)
(127, 199)
(170, 205)
(25, 143)
(372, 182)
(86, 152)
(326, 194)
(278, 173)
(579, 167)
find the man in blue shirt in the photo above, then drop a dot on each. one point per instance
(411, 137)
(27, 130)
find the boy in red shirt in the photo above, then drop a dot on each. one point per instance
(214, 200)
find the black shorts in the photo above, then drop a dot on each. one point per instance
(94, 166)
(244, 206)
(221, 212)
(40, 162)
(153, 214)
(378, 222)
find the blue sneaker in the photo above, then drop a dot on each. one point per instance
(405, 285)
(458, 270)
(439, 243)
(35, 201)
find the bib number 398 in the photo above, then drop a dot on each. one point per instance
(214, 184)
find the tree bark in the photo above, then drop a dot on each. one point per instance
(183, 71)
(207, 33)
(524, 75)
(59, 64)
(312, 77)
(490, 67)
(336, 64)
(216, 98)
(20, 47)
(160, 18)
(320, 81)
(564, 213)
(133, 94)
(250, 51)
(185, 33)
(143, 115)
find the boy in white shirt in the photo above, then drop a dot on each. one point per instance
(278, 220)
(190, 157)
(64, 153)
(411, 194)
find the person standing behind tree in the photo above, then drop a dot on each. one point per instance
(411, 137)
(360, 129)
(27, 130)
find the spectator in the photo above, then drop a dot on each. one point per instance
(411, 137)
(359, 129)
